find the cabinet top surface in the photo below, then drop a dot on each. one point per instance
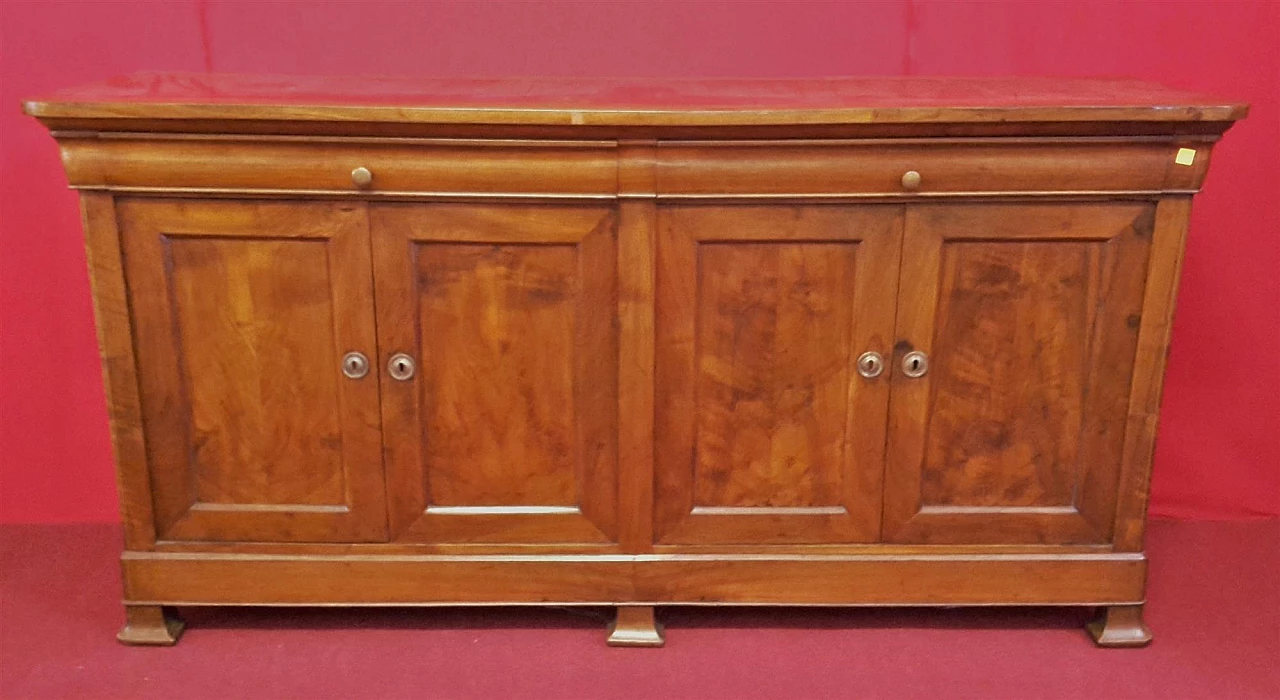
(628, 102)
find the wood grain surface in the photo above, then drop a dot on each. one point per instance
(613, 330)
(508, 431)
(242, 314)
(1030, 314)
(630, 101)
(765, 432)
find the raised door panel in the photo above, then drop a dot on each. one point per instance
(766, 433)
(242, 314)
(507, 432)
(1029, 317)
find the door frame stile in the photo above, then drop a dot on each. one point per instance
(114, 318)
(636, 284)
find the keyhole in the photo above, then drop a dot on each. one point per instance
(915, 364)
(400, 366)
(354, 365)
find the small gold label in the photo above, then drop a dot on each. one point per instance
(1186, 156)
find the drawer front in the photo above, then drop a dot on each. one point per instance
(881, 168)
(269, 166)
(444, 167)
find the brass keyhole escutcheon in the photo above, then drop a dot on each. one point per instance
(870, 364)
(400, 367)
(915, 364)
(355, 365)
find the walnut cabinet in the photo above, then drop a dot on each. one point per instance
(632, 343)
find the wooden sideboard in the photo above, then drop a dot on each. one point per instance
(633, 343)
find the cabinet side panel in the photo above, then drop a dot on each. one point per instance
(119, 368)
(1168, 244)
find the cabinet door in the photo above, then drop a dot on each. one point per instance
(242, 314)
(506, 432)
(766, 433)
(1029, 316)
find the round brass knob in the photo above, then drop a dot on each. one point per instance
(911, 180)
(361, 177)
(870, 364)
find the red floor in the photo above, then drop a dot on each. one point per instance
(1214, 607)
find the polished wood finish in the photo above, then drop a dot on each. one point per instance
(818, 578)
(1120, 626)
(150, 625)
(944, 167)
(686, 169)
(219, 99)
(637, 255)
(281, 166)
(508, 431)
(119, 368)
(1169, 240)
(1031, 314)
(242, 312)
(765, 432)
(635, 627)
(634, 312)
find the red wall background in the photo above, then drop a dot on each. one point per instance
(1219, 450)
